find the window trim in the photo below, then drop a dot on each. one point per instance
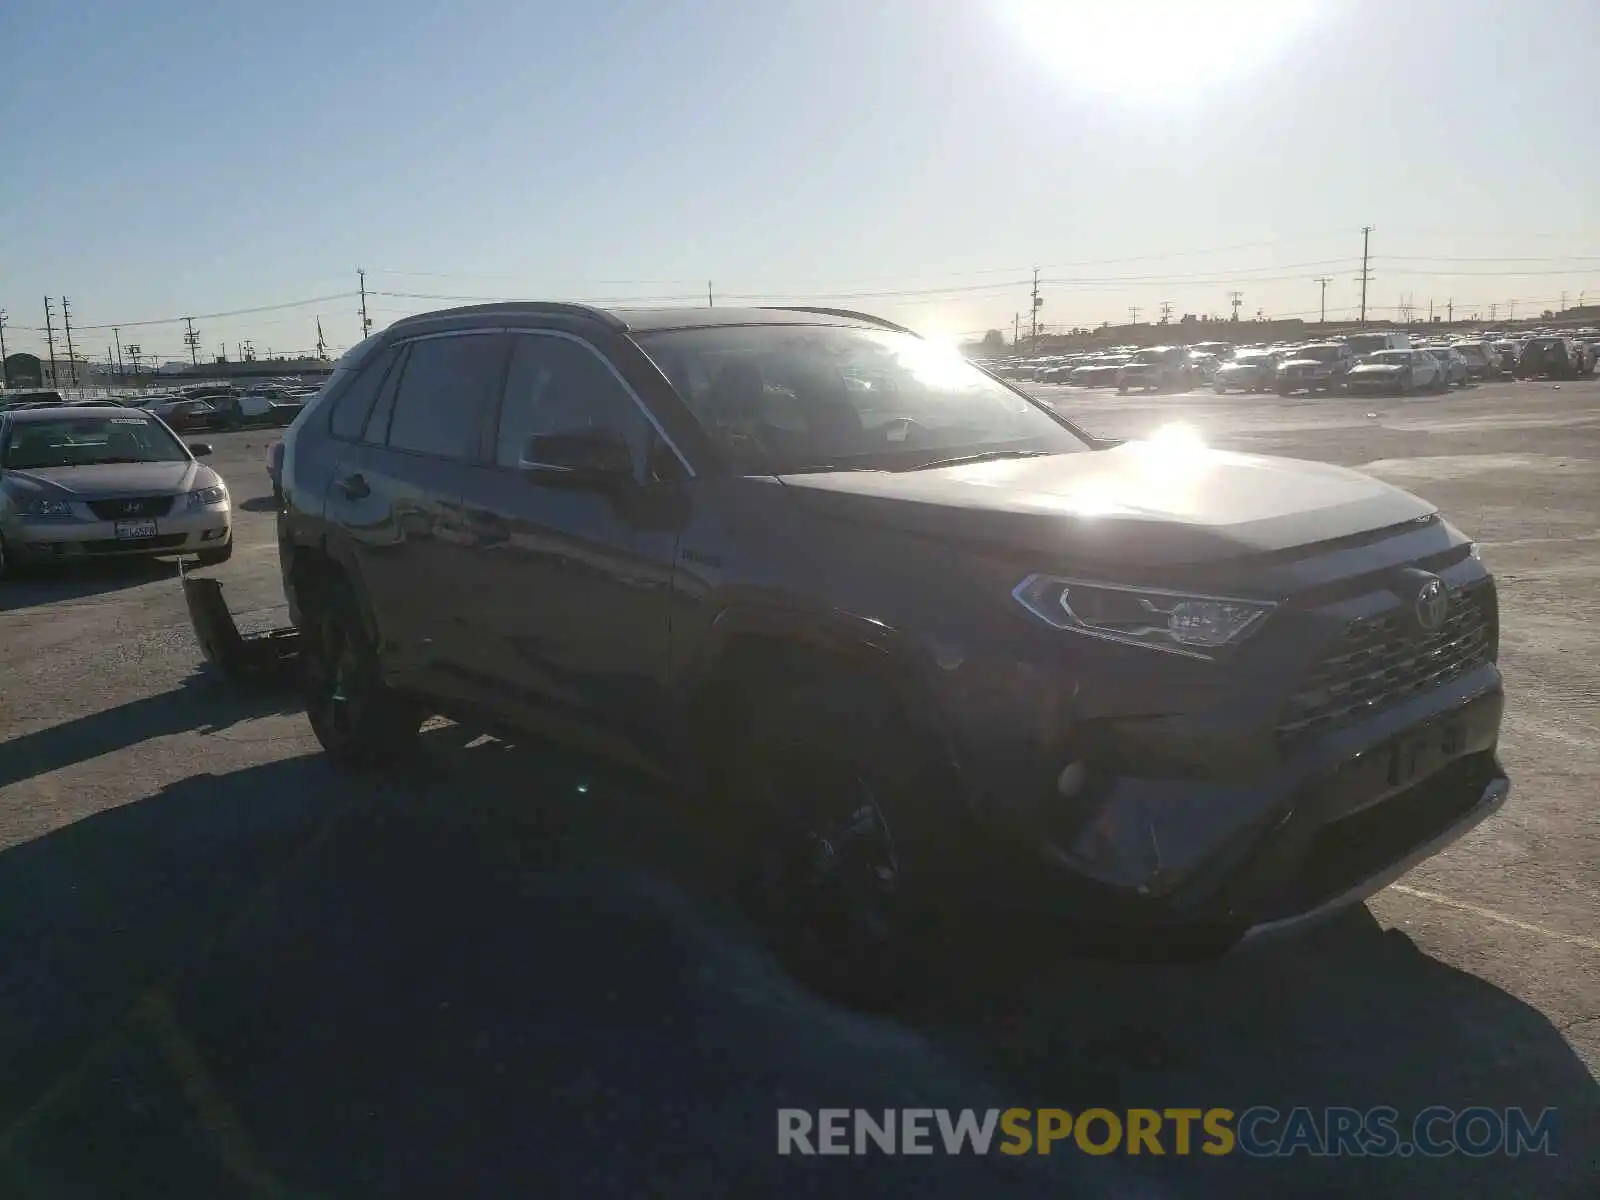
(638, 401)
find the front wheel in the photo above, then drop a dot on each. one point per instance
(358, 719)
(842, 805)
(1219, 389)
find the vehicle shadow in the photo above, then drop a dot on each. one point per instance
(258, 504)
(205, 703)
(501, 969)
(36, 585)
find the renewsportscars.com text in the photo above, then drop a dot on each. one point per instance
(1259, 1132)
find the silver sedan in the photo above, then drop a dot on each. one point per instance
(79, 483)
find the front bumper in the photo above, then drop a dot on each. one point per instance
(78, 539)
(1144, 794)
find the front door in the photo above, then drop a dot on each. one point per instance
(571, 588)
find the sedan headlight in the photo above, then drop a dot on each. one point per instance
(1176, 622)
(44, 508)
(208, 497)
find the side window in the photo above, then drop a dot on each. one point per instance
(351, 407)
(444, 394)
(555, 385)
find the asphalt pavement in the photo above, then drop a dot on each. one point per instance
(228, 970)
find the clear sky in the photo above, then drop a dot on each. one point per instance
(914, 157)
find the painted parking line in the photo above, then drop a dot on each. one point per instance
(1499, 918)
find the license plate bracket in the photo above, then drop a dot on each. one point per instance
(1424, 751)
(136, 529)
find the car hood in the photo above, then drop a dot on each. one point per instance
(1299, 363)
(112, 479)
(1239, 367)
(1140, 503)
(1377, 369)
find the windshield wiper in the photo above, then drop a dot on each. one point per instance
(985, 456)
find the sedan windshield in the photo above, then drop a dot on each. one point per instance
(787, 398)
(84, 441)
(1393, 358)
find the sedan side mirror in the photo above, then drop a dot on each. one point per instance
(200, 449)
(583, 458)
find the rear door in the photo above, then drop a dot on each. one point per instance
(571, 589)
(396, 494)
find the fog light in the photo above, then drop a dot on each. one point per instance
(211, 535)
(1071, 780)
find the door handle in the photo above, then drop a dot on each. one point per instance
(355, 487)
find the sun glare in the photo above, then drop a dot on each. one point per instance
(1156, 51)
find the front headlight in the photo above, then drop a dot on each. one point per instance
(1176, 622)
(208, 497)
(44, 508)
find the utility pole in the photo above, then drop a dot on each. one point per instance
(1494, 312)
(66, 323)
(366, 324)
(117, 334)
(1166, 311)
(1033, 337)
(1133, 314)
(3, 381)
(191, 338)
(1563, 302)
(1016, 329)
(1512, 310)
(1322, 318)
(1366, 274)
(1430, 310)
(710, 300)
(50, 340)
(1236, 298)
(1450, 311)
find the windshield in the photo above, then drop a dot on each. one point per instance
(787, 398)
(1251, 360)
(1318, 353)
(1398, 358)
(84, 441)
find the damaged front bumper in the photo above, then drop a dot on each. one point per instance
(269, 656)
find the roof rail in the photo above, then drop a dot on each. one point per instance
(550, 307)
(846, 312)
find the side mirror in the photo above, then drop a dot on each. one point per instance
(200, 449)
(583, 458)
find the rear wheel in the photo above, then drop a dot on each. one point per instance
(357, 718)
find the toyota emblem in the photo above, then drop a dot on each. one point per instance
(1432, 605)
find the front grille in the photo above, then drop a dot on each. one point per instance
(161, 541)
(1380, 662)
(133, 507)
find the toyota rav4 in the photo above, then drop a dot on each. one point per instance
(922, 642)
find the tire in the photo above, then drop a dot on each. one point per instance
(842, 810)
(6, 566)
(277, 497)
(211, 558)
(359, 721)
(1219, 389)
(1284, 391)
(1121, 391)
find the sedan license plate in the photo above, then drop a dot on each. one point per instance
(136, 529)
(1424, 752)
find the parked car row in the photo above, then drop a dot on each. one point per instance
(1311, 366)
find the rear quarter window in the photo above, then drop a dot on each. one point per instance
(352, 400)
